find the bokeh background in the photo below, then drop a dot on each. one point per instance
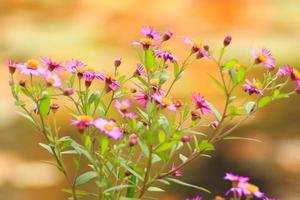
(97, 31)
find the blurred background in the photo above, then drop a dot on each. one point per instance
(97, 31)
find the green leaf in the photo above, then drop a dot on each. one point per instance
(165, 146)
(204, 145)
(131, 190)
(231, 63)
(264, 101)
(176, 69)
(187, 184)
(250, 106)
(233, 75)
(241, 138)
(86, 177)
(161, 136)
(79, 192)
(155, 189)
(215, 112)
(44, 106)
(28, 117)
(150, 59)
(104, 142)
(117, 187)
(241, 74)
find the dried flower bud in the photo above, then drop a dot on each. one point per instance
(227, 40)
(178, 104)
(186, 138)
(118, 62)
(68, 91)
(22, 83)
(206, 47)
(127, 173)
(167, 35)
(195, 115)
(133, 90)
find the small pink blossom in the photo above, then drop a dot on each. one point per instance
(123, 106)
(109, 128)
(31, 67)
(164, 101)
(176, 173)
(252, 87)
(264, 56)
(198, 48)
(51, 65)
(141, 97)
(82, 122)
(201, 103)
(150, 32)
(111, 83)
(52, 79)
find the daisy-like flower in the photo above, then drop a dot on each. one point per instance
(176, 173)
(77, 67)
(249, 189)
(111, 84)
(123, 106)
(139, 71)
(150, 32)
(109, 128)
(51, 65)
(252, 87)
(264, 56)
(165, 54)
(145, 42)
(52, 79)
(31, 67)
(285, 70)
(141, 97)
(201, 103)
(235, 178)
(82, 122)
(12, 66)
(198, 48)
(88, 77)
(164, 101)
(194, 198)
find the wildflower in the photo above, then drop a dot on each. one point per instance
(123, 106)
(111, 83)
(132, 140)
(76, 67)
(167, 35)
(252, 87)
(166, 55)
(11, 66)
(52, 79)
(295, 74)
(31, 67)
(117, 62)
(249, 189)
(164, 101)
(176, 173)
(141, 97)
(214, 124)
(145, 42)
(198, 48)
(109, 128)
(285, 70)
(68, 91)
(235, 178)
(264, 56)
(140, 71)
(88, 77)
(186, 138)
(150, 32)
(51, 65)
(155, 83)
(194, 198)
(201, 103)
(82, 122)
(227, 40)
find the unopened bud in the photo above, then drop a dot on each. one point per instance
(195, 115)
(227, 40)
(127, 173)
(186, 138)
(68, 91)
(132, 140)
(54, 107)
(206, 47)
(118, 62)
(178, 104)
(22, 83)
(167, 35)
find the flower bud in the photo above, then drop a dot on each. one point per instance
(68, 91)
(167, 35)
(127, 173)
(132, 140)
(206, 47)
(186, 138)
(133, 90)
(199, 55)
(118, 62)
(178, 104)
(22, 83)
(54, 107)
(11, 66)
(214, 124)
(195, 115)
(227, 40)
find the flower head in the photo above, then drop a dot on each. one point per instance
(76, 67)
(201, 103)
(111, 84)
(176, 173)
(166, 55)
(249, 189)
(145, 42)
(123, 106)
(198, 48)
(167, 35)
(51, 65)
(285, 70)
(52, 79)
(31, 67)
(88, 77)
(164, 101)
(252, 87)
(82, 122)
(150, 32)
(12, 65)
(264, 56)
(141, 97)
(235, 178)
(140, 71)
(109, 128)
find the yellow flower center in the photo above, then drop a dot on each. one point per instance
(85, 118)
(252, 188)
(109, 127)
(197, 44)
(147, 40)
(123, 106)
(32, 64)
(81, 69)
(296, 73)
(51, 80)
(262, 57)
(166, 101)
(91, 68)
(154, 81)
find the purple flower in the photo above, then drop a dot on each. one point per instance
(164, 101)
(76, 66)
(150, 32)
(194, 198)
(234, 191)
(167, 35)
(111, 84)
(123, 106)
(235, 178)
(264, 56)
(82, 122)
(166, 55)
(145, 42)
(201, 103)
(252, 87)
(31, 67)
(52, 79)
(198, 48)
(88, 77)
(285, 70)
(176, 173)
(249, 189)
(141, 97)
(109, 128)
(140, 71)
(51, 65)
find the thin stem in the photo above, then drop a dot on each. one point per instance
(147, 175)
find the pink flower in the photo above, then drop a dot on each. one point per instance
(88, 77)
(76, 66)
(249, 189)
(145, 42)
(141, 97)
(235, 178)
(166, 55)
(164, 101)
(198, 48)
(252, 87)
(52, 79)
(82, 122)
(201, 103)
(51, 65)
(150, 32)
(109, 128)
(31, 67)
(140, 71)
(264, 56)
(214, 124)
(111, 83)
(194, 198)
(285, 70)
(12, 65)
(176, 173)
(123, 106)
(167, 35)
